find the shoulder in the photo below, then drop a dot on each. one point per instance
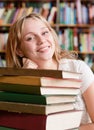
(71, 65)
(78, 66)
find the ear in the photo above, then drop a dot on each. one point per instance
(19, 52)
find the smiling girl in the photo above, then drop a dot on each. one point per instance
(32, 43)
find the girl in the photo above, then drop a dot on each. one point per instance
(32, 43)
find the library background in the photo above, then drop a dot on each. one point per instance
(73, 20)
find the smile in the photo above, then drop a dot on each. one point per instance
(42, 49)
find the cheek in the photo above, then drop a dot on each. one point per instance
(53, 47)
(27, 47)
(53, 43)
(52, 40)
(28, 50)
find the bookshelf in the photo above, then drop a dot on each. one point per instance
(77, 29)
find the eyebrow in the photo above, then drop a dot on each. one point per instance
(32, 32)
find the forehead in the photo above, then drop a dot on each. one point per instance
(32, 23)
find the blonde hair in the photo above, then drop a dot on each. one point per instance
(14, 41)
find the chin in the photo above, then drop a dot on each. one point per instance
(49, 56)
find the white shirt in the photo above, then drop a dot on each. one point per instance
(87, 78)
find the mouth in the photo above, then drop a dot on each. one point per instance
(43, 49)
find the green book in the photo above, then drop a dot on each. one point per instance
(35, 99)
(6, 128)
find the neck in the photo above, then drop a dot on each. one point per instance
(49, 65)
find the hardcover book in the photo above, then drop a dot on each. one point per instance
(35, 108)
(57, 121)
(39, 72)
(41, 81)
(36, 99)
(30, 89)
(6, 128)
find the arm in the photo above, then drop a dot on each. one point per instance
(88, 96)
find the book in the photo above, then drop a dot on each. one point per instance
(39, 72)
(30, 89)
(12, 15)
(57, 121)
(45, 10)
(41, 81)
(8, 15)
(36, 99)
(1, 12)
(15, 15)
(79, 11)
(35, 108)
(52, 16)
(6, 128)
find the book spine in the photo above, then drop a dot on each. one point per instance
(79, 13)
(24, 98)
(22, 121)
(6, 128)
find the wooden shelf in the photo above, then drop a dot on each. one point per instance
(86, 53)
(27, 0)
(74, 25)
(2, 52)
(5, 25)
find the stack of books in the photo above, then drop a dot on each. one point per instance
(39, 99)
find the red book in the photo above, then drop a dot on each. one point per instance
(57, 121)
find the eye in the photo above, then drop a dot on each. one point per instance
(30, 38)
(45, 32)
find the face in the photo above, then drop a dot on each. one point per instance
(37, 43)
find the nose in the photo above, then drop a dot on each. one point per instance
(41, 39)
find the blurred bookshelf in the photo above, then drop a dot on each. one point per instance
(73, 20)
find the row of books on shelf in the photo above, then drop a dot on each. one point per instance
(76, 12)
(9, 13)
(70, 12)
(39, 99)
(76, 39)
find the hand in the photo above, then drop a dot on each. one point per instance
(27, 63)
